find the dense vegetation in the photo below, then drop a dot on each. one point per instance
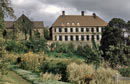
(63, 62)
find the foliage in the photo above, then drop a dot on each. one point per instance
(26, 46)
(3, 68)
(15, 46)
(49, 76)
(82, 73)
(111, 36)
(36, 45)
(46, 33)
(117, 23)
(103, 76)
(118, 55)
(62, 48)
(31, 61)
(125, 71)
(58, 66)
(11, 57)
(91, 55)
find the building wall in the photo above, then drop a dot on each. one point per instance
(21, 36)
(77, 34)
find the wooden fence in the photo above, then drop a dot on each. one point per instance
(117, 78)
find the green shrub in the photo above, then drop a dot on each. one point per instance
(55, 67)
(125, 72)
(91, 55)
(58, 66)
(15, 46)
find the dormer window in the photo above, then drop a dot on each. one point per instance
(78, 24)
(73, 24)
(68, 23)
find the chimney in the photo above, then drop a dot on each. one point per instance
(82, 13)
(94, 15)
(63, 13)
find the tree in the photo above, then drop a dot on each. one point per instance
(128, 25)
(110, 36)
(5, 10)
(117, 23)
(46, 33)
(118, 55)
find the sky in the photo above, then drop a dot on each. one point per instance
(49, 10)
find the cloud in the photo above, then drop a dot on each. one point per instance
(49, 10)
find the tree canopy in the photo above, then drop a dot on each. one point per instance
(117, 22)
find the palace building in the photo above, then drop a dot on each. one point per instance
(77, 28)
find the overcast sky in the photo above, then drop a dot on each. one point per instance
(49, 10)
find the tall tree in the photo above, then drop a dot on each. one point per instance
(117, 22)
(5, 11)
(110, 37)
(128, 25)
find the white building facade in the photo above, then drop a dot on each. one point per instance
(79, 28)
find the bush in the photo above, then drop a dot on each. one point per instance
(82, 73)
(15, 46)
(125, 72)
(91, 55)
(49, 76)
(57, 66)
(11, 57)
(36, 45)
(103, 76)
(120, 53)
(31, 61)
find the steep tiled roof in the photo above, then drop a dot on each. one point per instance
(9, 24)
(78, 20)
(37, 24)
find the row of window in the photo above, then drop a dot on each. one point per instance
(77, 29)
(77, 38)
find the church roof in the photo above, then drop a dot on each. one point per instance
(36, 24)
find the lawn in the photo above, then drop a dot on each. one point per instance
(13, 78)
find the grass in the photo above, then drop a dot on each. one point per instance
(13, 78)
(64, 55)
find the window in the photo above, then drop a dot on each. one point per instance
(60, 29)
(102, 29)
(77, 38)
(92, 37)
(97, 37)
(71, 38)
(60, 38)
(92, 29)
(97, 29)
(66, 30)
(87, 29)
(55, 29)
(82, 29)
(55, 38)
(87, 37)
(66, 38)
(82, 37)
(71, 29)
(77, 30)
